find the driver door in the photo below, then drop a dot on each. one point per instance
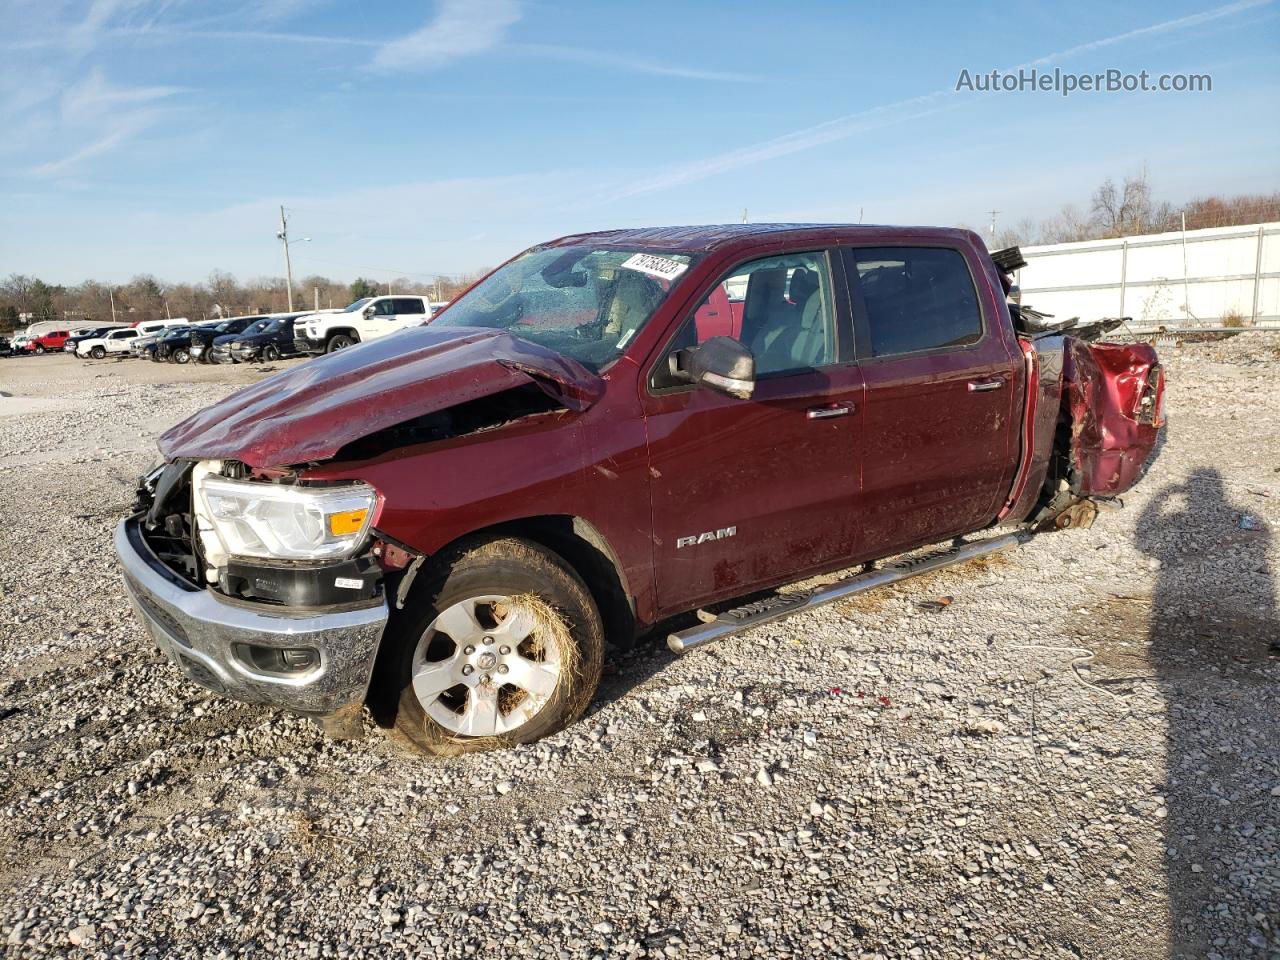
(751, 493)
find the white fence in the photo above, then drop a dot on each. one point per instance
(1164, 279)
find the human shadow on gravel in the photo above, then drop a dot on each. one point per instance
(1206, 646)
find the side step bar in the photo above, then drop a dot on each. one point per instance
(784, 604)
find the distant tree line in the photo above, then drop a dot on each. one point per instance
(1129, 209)
(25, 300)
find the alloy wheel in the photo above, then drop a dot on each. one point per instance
(482, 669)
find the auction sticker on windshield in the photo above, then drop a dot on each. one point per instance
(659, 267)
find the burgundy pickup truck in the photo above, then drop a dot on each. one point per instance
(448, 523)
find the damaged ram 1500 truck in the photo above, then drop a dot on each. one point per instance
(447, 523)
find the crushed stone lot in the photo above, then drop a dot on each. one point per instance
(1077, 756)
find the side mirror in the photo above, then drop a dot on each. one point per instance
(724, 365)
(368, 312)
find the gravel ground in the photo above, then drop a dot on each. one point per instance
(1076, 757)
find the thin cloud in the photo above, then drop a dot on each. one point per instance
(841, 128)
(460, 28)
(105, 115)
(604, 58)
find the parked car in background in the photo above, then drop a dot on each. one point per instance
(115, 342)
(174, 345)
(202, 337)
(6, 347)
(220, 351)
(48, 341)
(150, 336)
(601, 456)
(75, 340)
(366, 319)
(272, 342)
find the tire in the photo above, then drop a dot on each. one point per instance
(340, 340)
(180, 356)
(39, 348)
(98, 353)
(469, 585)
(270, 354)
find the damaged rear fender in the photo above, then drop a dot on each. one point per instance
(1114, 401)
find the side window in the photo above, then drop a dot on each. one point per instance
(917, 298)
(408, 305)
(781, 308)
(384, 308)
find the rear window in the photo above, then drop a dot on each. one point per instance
(917, 298)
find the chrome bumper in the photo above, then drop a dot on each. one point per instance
(207, 637)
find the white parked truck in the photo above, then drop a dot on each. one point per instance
(366, 319)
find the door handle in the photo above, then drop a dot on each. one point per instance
(977, 386)
(829, 411)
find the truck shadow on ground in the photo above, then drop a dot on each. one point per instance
(1207, 650)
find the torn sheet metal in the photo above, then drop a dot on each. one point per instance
(311, 411)
(1115, 396)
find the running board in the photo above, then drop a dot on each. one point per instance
(784, 604)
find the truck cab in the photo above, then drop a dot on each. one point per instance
(365, 319)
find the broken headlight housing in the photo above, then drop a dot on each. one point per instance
(286, 522)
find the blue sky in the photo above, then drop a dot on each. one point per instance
(415, 138)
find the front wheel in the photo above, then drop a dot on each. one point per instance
(499, 644)
(39, 348)
(97, 353)
(340, 340)
(270, 354)
(180, 356)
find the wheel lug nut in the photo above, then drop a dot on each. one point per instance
(468, 670)
(485, 678)
(503, 669)
(488, 640)
(504, 650)
(468, 650)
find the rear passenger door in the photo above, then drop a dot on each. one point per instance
(939, 379)
(410, 311)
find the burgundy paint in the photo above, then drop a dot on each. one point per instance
(1110, 443)
(311, 411)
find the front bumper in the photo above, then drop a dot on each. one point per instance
(197, 350)
(307, 345)
(209, 637)
(245, 354)
(220, 353)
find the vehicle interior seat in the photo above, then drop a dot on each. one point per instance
(795, 345)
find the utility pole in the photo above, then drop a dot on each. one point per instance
(112, 297)
(744, 214)
(288, 267)
(317, 294)
(993, 226)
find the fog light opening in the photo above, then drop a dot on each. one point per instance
(279, 660)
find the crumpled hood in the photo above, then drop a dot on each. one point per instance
(311, 411)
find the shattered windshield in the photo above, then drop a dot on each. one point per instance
(584, 302)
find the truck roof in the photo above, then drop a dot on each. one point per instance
(702, 239)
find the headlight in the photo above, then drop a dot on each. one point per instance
(287, 522)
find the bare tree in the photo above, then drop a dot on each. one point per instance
(1123, 211)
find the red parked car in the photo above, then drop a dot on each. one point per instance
(48, 342)
(448, 523)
